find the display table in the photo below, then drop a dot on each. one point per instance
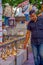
(21, 55)
(9, 61)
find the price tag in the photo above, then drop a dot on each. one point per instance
(0, 24)
(0, 39)
(0, 9)
(0, 28)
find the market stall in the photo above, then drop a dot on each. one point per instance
(13, 49)
(13, 39)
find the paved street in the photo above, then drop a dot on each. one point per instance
(30, 60)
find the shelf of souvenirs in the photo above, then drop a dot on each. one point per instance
(11, 48)
(11, 51)
(11, 40)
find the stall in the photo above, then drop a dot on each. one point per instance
(11, 52)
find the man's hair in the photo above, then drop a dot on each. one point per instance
(31, 12)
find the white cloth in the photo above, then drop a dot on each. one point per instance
(19, 12)
(8, 11)
(27, 10)
(34, 8)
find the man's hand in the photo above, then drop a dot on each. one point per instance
(25, 46)
(26, 39)
(40, 14)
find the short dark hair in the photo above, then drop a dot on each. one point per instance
(32, 11)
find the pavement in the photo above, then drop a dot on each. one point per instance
(30, 60)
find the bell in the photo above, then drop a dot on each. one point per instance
(13, 51)
(4, 56)
(7, 51)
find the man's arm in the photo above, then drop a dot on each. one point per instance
(27, 38)
(40, 14)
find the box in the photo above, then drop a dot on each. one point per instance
(21, 57)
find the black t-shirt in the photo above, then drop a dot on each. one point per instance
(36, 29)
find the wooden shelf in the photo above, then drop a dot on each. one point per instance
(20, 18)
(11, 41)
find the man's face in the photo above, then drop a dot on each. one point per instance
(33, 16)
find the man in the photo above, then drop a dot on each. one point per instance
(35, 27)
(25, 9)
(7, 9)
(34, 7)
(8, 12)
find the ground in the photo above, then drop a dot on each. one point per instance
(30, 60)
